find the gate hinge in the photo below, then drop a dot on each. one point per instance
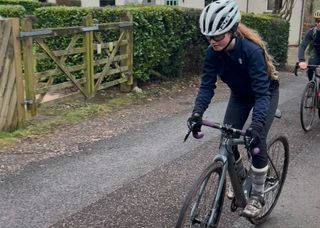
(27, 102)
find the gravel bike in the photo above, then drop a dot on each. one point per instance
(203, 204)
(310, 99)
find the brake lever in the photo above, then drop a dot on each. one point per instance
(253, 151)
(296, 69)
(187, 135)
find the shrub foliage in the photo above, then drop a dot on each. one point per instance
(167, 39)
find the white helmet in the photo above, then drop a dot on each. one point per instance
(316, 14)
(219, 17)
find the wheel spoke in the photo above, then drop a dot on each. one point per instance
(278, 164)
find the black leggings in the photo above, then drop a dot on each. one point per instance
(313, 60)
(237, 114)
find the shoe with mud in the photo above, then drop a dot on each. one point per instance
(253, 207)
(230, 193)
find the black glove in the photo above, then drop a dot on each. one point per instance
(195, 122)
(254, 132)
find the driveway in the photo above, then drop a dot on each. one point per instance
(139, 177)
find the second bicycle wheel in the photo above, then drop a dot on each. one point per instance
(278, 157)
(197, 208)
(307, 107)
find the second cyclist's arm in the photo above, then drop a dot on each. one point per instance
(303, 46)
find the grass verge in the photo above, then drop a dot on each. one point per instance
(73, 110)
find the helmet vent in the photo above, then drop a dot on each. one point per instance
(219, 17)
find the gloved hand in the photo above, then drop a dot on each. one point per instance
(195, 122)
(254, 132)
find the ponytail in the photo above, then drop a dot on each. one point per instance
(252, 35)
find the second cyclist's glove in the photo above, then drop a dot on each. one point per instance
(254, 132)
(195, 122)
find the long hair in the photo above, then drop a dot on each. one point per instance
(252, 35)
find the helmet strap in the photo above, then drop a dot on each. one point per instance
(231, 39)
(233, 32)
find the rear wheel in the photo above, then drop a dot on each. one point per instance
(199, 208)
(278, 156)
(307, 106)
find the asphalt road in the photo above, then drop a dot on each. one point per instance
(139, 179)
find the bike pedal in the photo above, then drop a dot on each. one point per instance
(233, 206)
(230, 193)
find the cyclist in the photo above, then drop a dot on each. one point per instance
(312, 38)
(239, 57)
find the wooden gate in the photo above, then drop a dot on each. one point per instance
(84, 41)
(12, 113)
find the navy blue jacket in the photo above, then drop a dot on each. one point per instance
(313, 38)
(244, 70)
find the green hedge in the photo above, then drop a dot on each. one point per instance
(274, 31)
(166, 39)
(12, 11)
(29, 5)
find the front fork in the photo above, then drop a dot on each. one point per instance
(222, 179)
(240, 196)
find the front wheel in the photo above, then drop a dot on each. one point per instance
(308, 106)
(203, 204)
(278, 162)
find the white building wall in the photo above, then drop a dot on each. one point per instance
(296, 23)
(159, 2)
(255, 6)
(192, 3)
(260, 6)
(52, 1)
(90, 3)
(120, 2)
(123, 2)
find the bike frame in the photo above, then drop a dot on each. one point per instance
(315, 80)
(225, 155)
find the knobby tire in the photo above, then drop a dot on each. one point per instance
(204, 205)
(307, 107)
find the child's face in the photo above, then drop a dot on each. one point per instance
(219, 43)
(318, 23)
